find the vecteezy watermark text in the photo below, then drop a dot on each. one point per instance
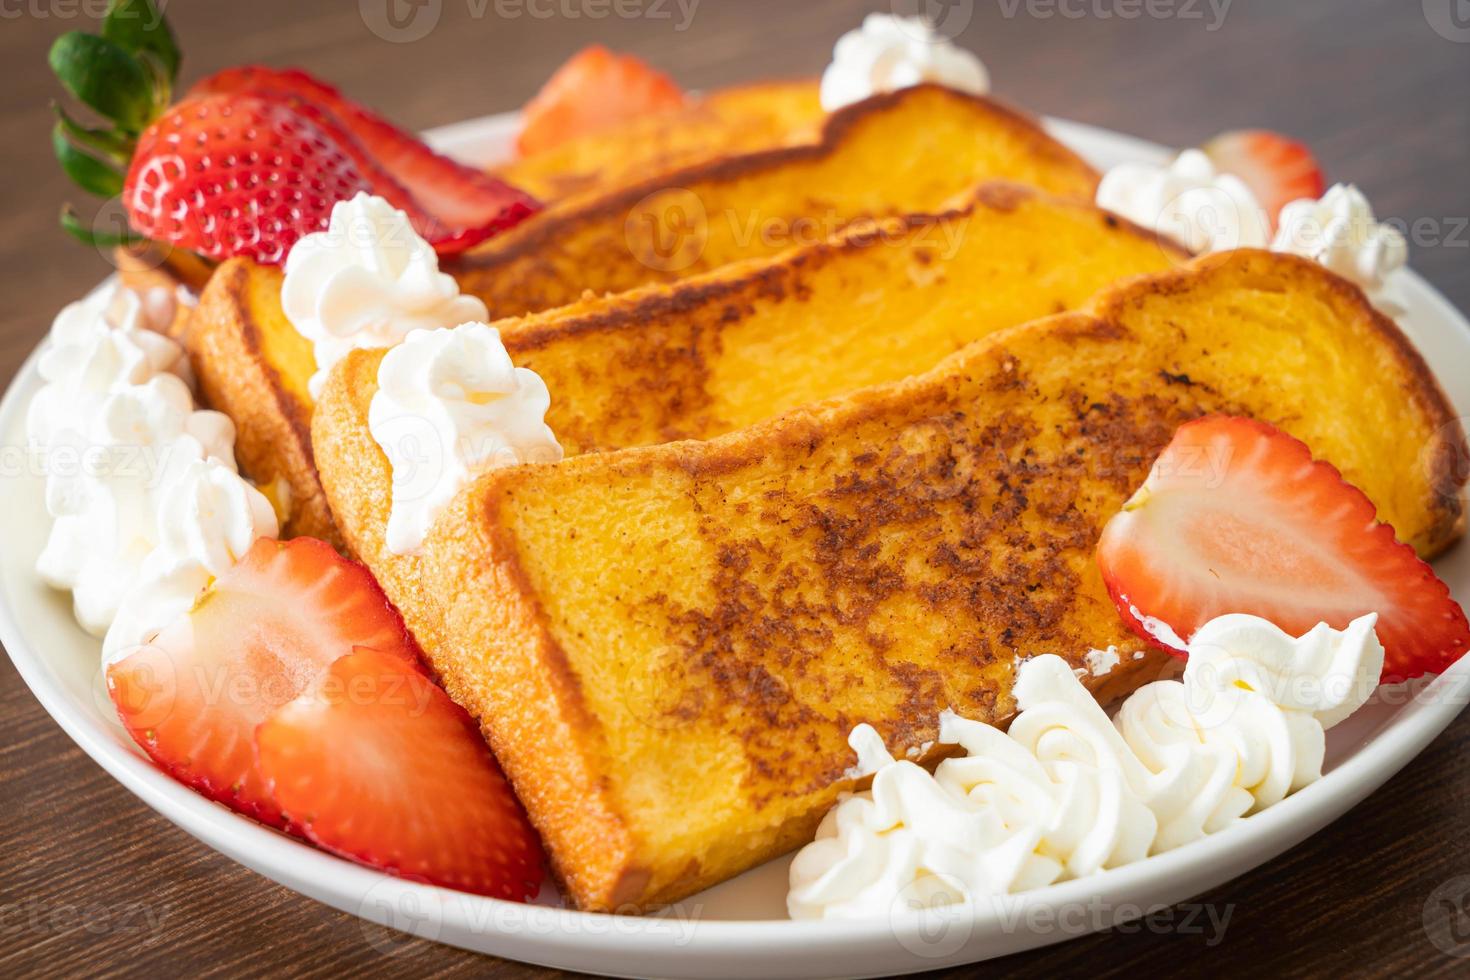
(403, 21)
(929, 924)
(1211, 12)
(40, 918)
(73, 9)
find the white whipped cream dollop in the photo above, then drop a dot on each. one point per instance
(450, 405)
(1189, 201)
(890, 52)
(1068, 792)
(96, 347)
(1340, 231)
(367, 281)
(209, 518)
(118, 439)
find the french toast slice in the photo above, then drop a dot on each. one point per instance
(742, 119)
(912, 151)
(720, 351)
(667, 646)
(702, 358)
(254, 366)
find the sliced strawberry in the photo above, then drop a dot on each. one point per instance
(1236, 517)
(226, 176)
(377, 764)
(259, 636)
(452, 206)
(1277, 169)
(594, 90)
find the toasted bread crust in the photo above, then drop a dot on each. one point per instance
(717, 352)
(586, 244)
(796, 570)
(666, 329)
(671, 362)
(272, 417)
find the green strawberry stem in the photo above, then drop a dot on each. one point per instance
(125, 76)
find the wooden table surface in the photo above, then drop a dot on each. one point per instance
(91, 880)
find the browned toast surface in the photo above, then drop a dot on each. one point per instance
(253, 366)
(749, 341)
(668, 646)
(742, 119)
(701, 358)
(723, 350)
(910, 151)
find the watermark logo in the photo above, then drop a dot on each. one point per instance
(417, 452)
(1450, 19)
(1445, 460)
(401, 21)
(931, 918)
(947, 19)
(928, 462)
(1447, 917)
(667, 231)
(653, 698)
(393, 916)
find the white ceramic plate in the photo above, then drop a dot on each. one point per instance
(738, 928)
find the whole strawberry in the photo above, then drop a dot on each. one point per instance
(253, 158)
(236, 175)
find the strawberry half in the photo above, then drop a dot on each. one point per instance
(226, 176)
(594, 90)
(452, 206)
(257, 637)
(1236, 517)
(1277, 169)
(377, 764)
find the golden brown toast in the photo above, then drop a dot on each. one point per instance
(730, 121)
(723, 350)
(916, 150)
(253, 365)
(743, 344)
(668, 646)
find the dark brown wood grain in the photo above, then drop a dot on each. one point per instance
(92, 881)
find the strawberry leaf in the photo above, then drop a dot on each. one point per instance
(90, 236)
(139, 27)
(85, 170)
(108, 142)
(104, 76)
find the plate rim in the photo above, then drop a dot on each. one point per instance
(335, 881)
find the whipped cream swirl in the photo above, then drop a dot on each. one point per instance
(450, 405)
(1188, 200)
(209, 518)
(889, 53)
(367, 281)
(120, 444)
(1068, 792)
(1340, 231)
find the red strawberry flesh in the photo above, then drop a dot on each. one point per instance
(452, 205)
(1276, 168)
(226, 176)
(594, 90)
(1237, 517)
(377, 764)
(259, 636)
